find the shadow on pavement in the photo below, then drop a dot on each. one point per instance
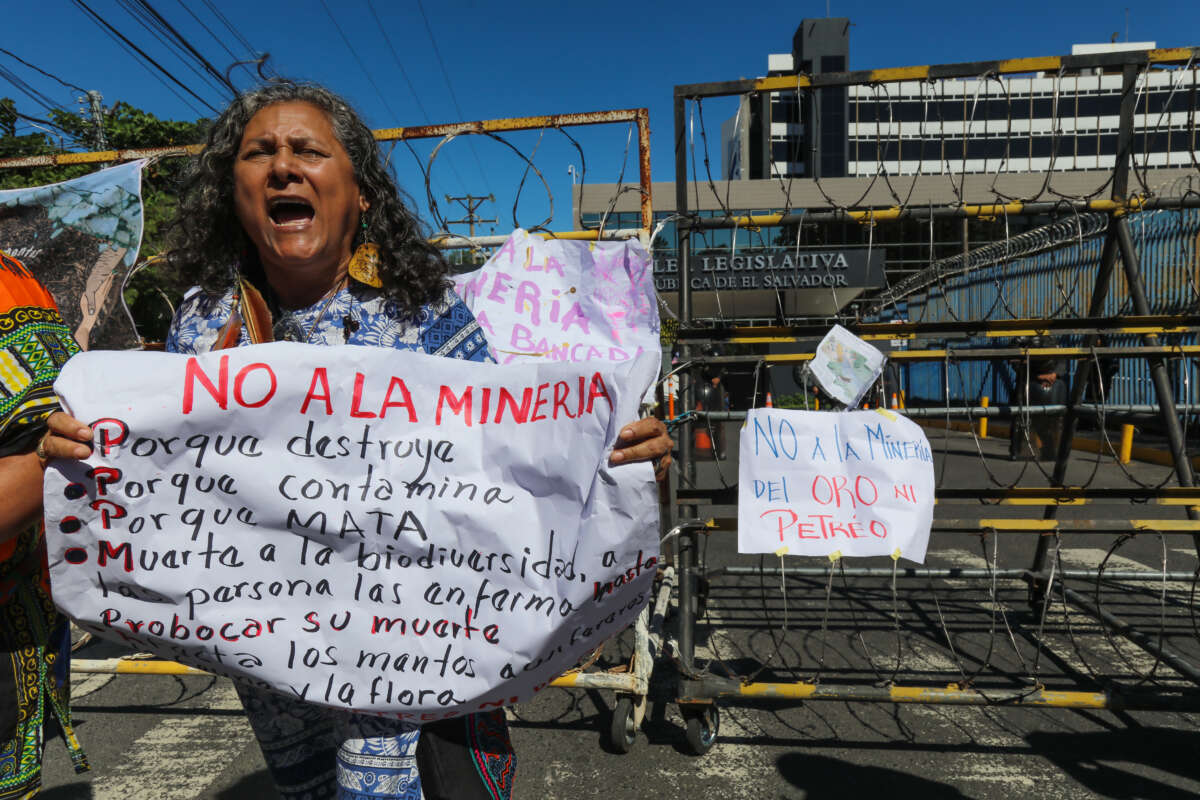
(72, 791)
(823, 778)
(1113, 763)
(257, 785)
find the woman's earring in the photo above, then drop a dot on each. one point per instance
(364, 264)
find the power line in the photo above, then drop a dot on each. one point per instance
(453, 97)
(404, 73)
(420, 106)
(143, 18)
(40, 122)
(188, 8)
(104, 24)
(371, 80)
(235, 60)
(33, 94)
(157, 76)
(39, 69)
(177, 36)
(357, 60)
(229, 26)
(469, 204)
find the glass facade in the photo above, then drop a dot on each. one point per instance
(1019, 124)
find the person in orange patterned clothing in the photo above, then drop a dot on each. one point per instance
(34, 637)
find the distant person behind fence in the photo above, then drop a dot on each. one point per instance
(1040, 381)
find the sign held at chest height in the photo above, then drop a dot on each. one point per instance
(359, 528)
(858, 483)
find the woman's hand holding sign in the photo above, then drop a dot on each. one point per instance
(644, 440)
(67, 437)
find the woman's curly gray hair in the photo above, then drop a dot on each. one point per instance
(208, 238)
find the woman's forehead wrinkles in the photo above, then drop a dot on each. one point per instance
(293, 139)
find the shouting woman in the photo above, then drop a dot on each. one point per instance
(295, 229)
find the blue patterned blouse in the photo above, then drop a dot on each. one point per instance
(357, 314)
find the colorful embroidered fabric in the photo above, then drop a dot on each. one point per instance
(318, 752)
(34, 638)
(492, 752)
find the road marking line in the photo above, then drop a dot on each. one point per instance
(1092, 557)
(179, 757)
(84, 684)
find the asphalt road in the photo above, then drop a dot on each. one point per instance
(163, 738)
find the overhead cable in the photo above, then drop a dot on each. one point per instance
(106, 26)
(175, 34)
(188, 8)
(143, 18)
(50, 75)
(446, 75)
(404, 73)
(60, 129)
(229, 26)
(29, 91)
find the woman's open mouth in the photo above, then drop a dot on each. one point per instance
(291, 212)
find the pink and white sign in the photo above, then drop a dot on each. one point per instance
(557, 300)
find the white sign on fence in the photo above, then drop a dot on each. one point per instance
(858, 483)
(361, 528)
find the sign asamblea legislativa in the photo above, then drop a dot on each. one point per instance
(361, 528)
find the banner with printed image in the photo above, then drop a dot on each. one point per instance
(80, 238)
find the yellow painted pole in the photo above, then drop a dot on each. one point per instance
(983, 401)
(1126, 443)
(128, 666)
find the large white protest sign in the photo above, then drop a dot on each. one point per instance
(859, 483)
(356, 527)
(560, 300)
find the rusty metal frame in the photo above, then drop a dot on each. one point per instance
(966, 69)
(638, 116)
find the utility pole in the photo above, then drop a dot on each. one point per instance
(469, 204)
(96, 110)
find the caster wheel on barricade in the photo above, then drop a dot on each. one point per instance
(621, 730)
(702, 729)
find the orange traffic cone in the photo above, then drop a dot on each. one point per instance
(769, 403)
(701, 440)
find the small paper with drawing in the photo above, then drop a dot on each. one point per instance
(846, 366)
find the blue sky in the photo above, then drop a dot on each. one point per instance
(521, 58)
